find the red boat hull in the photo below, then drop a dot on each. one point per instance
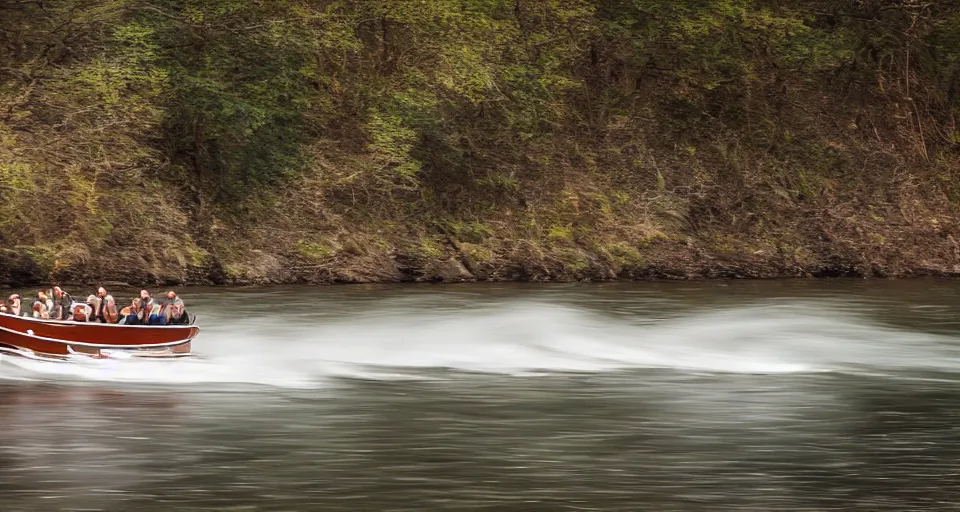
(59, 338)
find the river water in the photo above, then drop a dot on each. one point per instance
(772, 395)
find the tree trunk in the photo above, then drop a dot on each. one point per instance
(385, 56)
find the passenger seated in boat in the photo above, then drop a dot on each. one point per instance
(110, 313)
(62, 301)
(175, 312)
(14, 306)
(155, 314)
(146, 301)
(40, 310)
(82, 312)
(125, 312)
(47, 302)
(95, 304)
(101, 302)
(131, 314)
(152, 311)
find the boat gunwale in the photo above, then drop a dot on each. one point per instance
(95, 324)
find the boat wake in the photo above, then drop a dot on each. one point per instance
(519, 338)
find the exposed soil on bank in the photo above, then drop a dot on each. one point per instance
(933, 253)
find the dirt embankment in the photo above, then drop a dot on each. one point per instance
(884, 252)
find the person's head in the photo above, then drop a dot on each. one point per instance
(101, 292)
(135, 304)
(57, 292)
(3, 309)
(37, 306)
(15, 299)
(171, 295)
(92, 299)
(42, 296)
(144, 295)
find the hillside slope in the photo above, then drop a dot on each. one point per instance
(236, 141)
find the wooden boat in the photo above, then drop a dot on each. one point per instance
(58, 339)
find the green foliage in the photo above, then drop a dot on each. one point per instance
(574, 261)
(561, 233)
(237, 109)
(625, 256)
(470, 232)
(428, 248)
(235, 116)
(391, 143)
(316, 250)
(478, 254)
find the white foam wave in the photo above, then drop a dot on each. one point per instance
(517, 338)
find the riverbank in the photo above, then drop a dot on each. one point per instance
(661, 257)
